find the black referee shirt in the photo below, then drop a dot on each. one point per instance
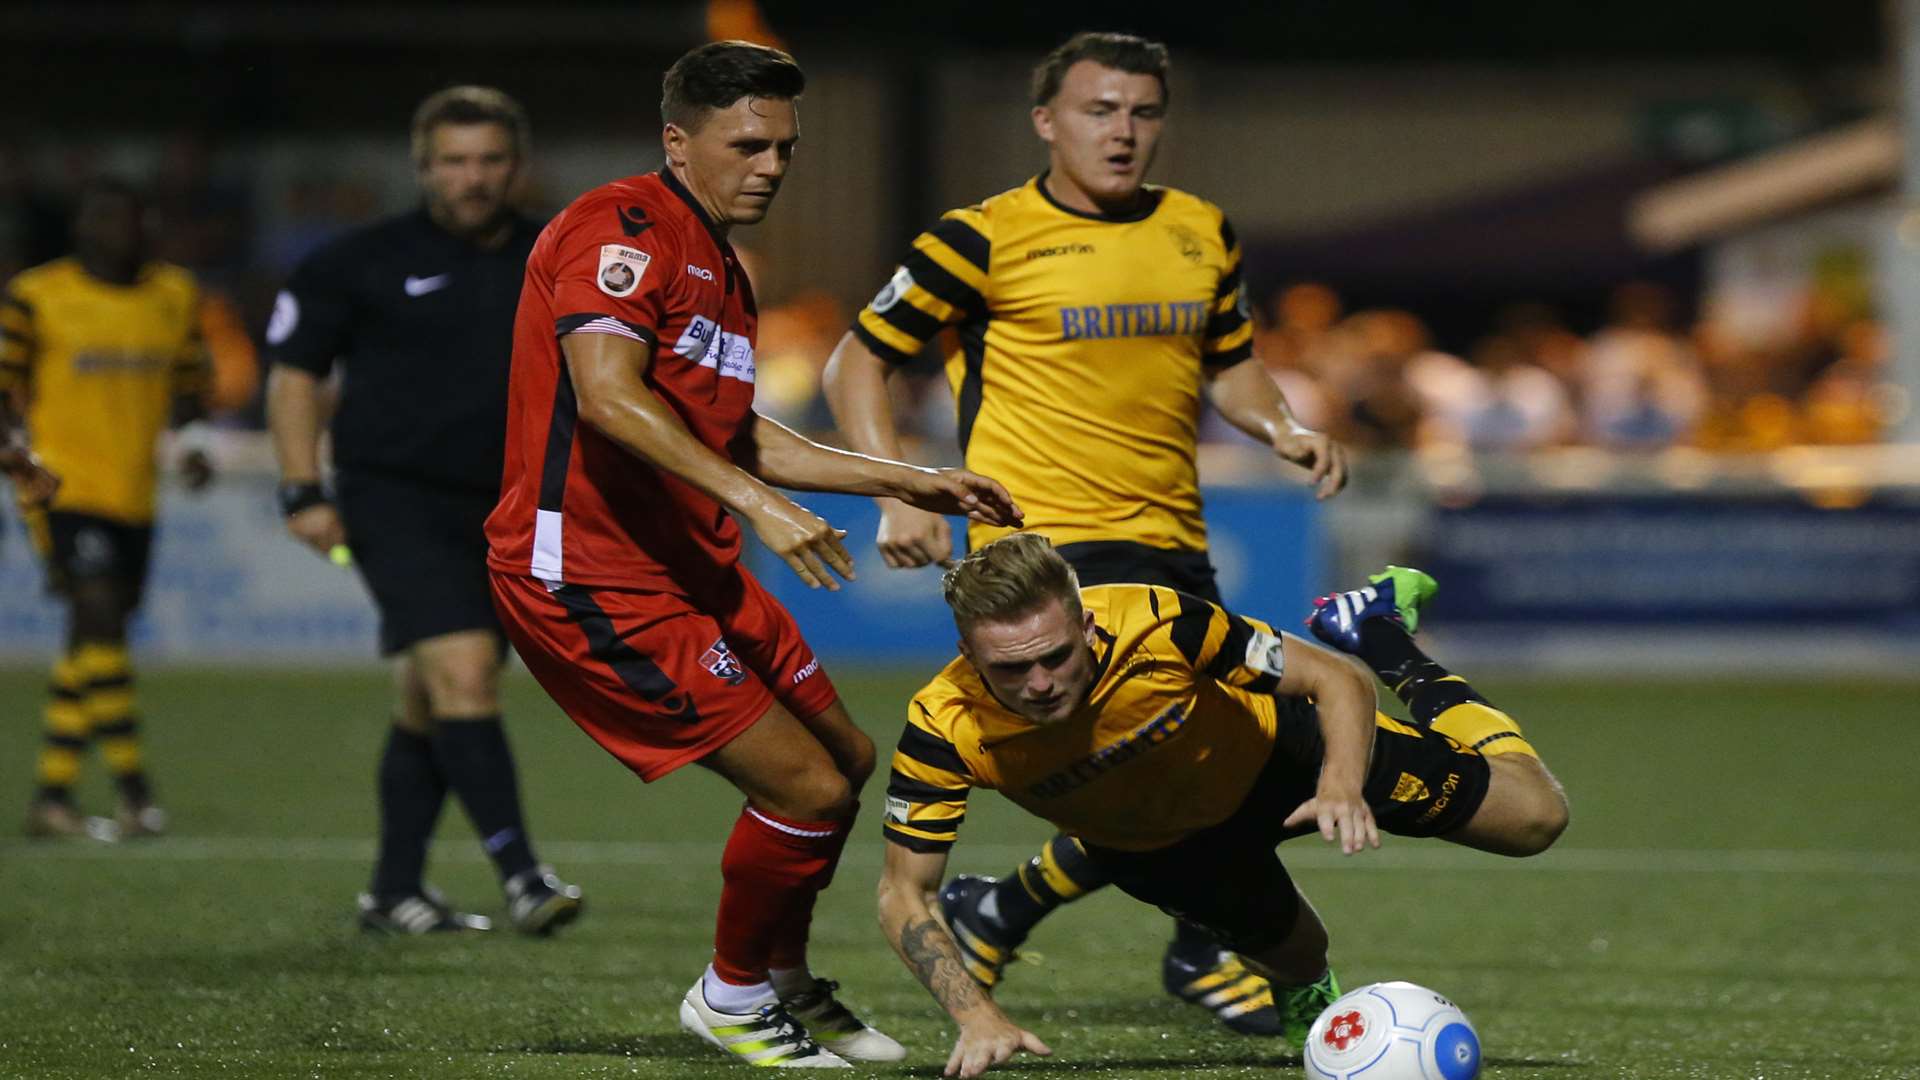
(423, 323)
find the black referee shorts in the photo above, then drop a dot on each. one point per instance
(1115, 562)
(1229, 879)
(422, 550)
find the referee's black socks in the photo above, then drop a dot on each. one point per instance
(411, 792)
(478, 766)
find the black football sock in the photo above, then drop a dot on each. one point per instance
(1061, 873)
(1437, 698)
(474, 757)
(411, 792)
(1194, 942)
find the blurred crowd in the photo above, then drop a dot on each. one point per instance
(1752, 372)
(1759, 367)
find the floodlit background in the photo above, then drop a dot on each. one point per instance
(1617, 304)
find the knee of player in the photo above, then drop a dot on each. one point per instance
(820, 794)
(1544, 817)
(462, 689)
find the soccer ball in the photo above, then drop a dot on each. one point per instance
(1392, 1031)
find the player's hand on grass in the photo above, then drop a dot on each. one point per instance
(318, 527)
(911, 537)
(957, 491)
(1342, 814)
(32, 481)
(1324, 458)
(808, 544)
(988, 1042)
(196, 469)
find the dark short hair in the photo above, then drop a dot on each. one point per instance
(1123, 52)
(469, 105)
(719, 73)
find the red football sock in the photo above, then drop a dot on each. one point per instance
(772, 868)
(790, 937)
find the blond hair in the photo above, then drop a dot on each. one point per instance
(1011, 576)
(470, 105)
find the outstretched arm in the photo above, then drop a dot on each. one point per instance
(987, 1037)
(782, 456)
(856, 381)
(1246, 395)
(1344, 697)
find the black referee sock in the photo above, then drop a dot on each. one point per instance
(474, 757)
(411, 791)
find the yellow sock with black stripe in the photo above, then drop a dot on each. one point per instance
(1437, 698)
(1059, 874)
(109, 700)
(67, 728)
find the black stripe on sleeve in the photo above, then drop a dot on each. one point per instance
(1222, 325)
(567, 324)
(934, 278)
(931, 750)
(919, 844)
(902, 786)
(945, 826)
(9, 300)
(965, 242)
(907, 319)
(1220, 360)
(1228, 283)
(880, 348)
(1227, 237)
(559, 451)
(1189, 628)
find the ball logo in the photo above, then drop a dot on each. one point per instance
(621, 268)
(1344, 1030)
(617, 278)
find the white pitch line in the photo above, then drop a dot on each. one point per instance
(1302, 855)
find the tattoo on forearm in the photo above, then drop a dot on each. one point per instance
(932, 956)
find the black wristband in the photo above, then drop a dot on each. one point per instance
(297, 497)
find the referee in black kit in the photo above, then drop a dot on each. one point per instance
(419, 309)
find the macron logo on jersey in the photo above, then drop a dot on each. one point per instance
(704, 343)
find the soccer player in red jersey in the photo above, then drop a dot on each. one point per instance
(616, 566)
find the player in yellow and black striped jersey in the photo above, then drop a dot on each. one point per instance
(1177, 743)
(100, 352)
(1089, 315)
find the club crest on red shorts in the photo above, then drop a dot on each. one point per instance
(720, 660)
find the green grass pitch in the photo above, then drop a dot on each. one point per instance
(1738, 897)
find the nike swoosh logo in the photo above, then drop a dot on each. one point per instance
(421, 286)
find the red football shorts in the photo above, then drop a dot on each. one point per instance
(661, 680)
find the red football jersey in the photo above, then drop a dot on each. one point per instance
(636, 258)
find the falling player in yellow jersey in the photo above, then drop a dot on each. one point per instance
(1093, 311)
(1178, 743)
(99, 352)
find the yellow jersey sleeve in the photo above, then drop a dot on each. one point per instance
(927, 790)
(1230, 649)
(942, 282)
(1228, 338)
(18, 342)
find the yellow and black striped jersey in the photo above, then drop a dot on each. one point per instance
(1180, 721)
(1081, 341)
(99, 366)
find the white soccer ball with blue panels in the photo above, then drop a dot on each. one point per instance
(1392, 1031)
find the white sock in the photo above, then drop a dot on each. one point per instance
(788, 982)
(723, 996)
